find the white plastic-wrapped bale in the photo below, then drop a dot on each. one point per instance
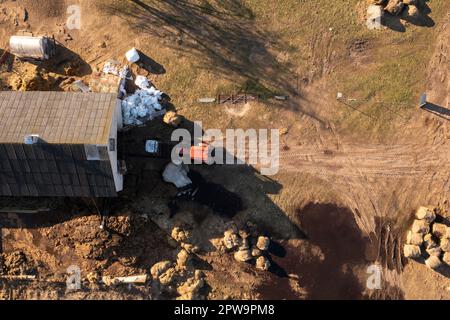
(420, 226)
(427, 214)
(411, 251)
(433, 262)
(439, 230)
(445, 244)
(446, 258)
(414, 238)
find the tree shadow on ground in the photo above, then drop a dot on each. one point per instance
(220, 34)
(422, 20)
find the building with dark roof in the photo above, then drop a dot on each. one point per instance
(59, 144)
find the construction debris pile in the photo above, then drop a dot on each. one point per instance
(248, 247)
(408, 8)
(428, 239)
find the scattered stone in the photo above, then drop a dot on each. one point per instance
(168, 277)
(429, 241)
(93, 277)
(439, 230)
(159, 268)
(256, 252)
(262, 263)
(446, 258)
(263, 243)
(173, 119)
(179, 235)
(445, 244)
(183, 259)
(410, 2)
(411, 251)
(420, 226)
(433, 262)
(427, 214)
(434, 251)
(230, 239)
(414, 238)
(189, 290)
(243, 255)
(394, 7)
(412, 11)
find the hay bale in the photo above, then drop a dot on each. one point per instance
(394, 7)
(439, 230)
(420, 226)
(427, 214)
(414, 238)
(411, 251)
(445, 244)
(433, 262)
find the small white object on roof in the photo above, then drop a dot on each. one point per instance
(31, 139)
(176, 175)
(132, 55)
(151, 146)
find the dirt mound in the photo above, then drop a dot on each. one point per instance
(16, 263)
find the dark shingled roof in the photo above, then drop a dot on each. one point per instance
(69, 125)
(57, 117)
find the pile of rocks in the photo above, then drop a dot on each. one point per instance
(397, 7)
(428, 238)
(247, 248)
(178, 278)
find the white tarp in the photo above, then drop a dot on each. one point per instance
(176, 175)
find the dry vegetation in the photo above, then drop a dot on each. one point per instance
(346, 175)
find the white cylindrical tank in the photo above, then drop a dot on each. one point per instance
(30, 47)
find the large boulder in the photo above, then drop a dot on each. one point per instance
(262, 263)
(172, 119)
(427, 214)
(243, 255)
(445, 244)
(159, 268)
(412, 11)
(231, 239)
(414, 238)
(420, 226)
(394, 7)
(411, 251)
(439, 230)
(446, 258)
(433, 262)
(263, 243)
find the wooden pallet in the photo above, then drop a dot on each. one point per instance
(236, 98)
